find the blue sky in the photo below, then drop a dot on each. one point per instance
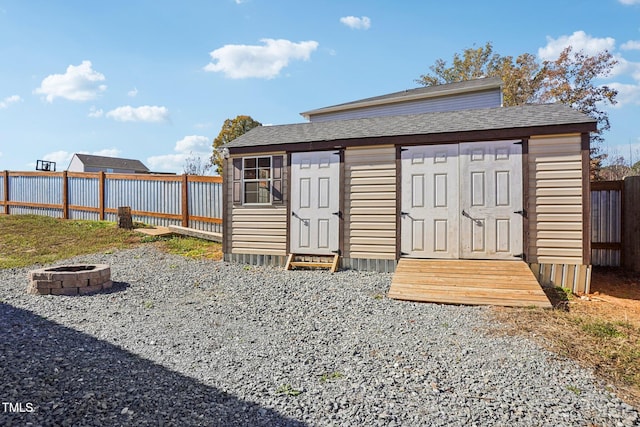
(154, 80)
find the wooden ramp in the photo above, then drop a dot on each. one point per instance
(469, 282)
(155, 231)
(200, 234)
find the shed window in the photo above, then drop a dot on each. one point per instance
(257, 180)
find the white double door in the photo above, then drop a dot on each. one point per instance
(315, 203)
(462, 200)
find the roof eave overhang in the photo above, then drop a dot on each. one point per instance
(418, 139)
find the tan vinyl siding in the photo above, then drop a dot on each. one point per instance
(370, 203)
(260, 230)
(555, 200)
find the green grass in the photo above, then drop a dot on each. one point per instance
(331, 376)
(31, 239)
(287, 390)
(602, 329)
(574, 390)
(192, 247)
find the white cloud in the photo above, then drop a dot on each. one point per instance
(196, 143)
(626, 68)
(167, 162)
(579, 40)
(189, 146)
(629, 2)
(78, 83)
(5, 103)
(133, 92)
(245, 61)
(95, 113)
(628, 94)
(60, 157)
(631, 45)
(363, 23)
(145, 113)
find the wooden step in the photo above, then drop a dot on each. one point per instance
(330, 262)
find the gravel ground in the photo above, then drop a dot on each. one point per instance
(184, 342)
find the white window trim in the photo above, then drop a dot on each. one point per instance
(270, 180)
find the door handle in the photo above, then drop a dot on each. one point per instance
(304, 221)
(478, 222)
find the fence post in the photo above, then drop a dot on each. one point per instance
(631, 223)
(101, 178)
(6, 192)
(185, 200)
(65, 195)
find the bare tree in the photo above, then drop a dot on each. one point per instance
(617, 167)
(196, 165)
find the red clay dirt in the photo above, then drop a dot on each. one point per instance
(615, 294)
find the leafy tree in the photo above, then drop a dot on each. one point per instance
(521, 79)
(569, 80)
(231, 129)
(473, 64)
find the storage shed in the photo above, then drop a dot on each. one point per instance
(505, 183)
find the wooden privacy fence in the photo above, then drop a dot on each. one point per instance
(615, 223)
(606, 222)
(185, 200)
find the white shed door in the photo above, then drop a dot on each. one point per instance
(491, 199)
(430, 212)
(462, 201)
(314, 223)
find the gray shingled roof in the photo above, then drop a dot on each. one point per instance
(466, 86)
(112, 162)
(417, 124)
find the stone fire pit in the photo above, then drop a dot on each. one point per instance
(78, 279)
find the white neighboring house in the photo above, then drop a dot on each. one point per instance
(91, 163)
